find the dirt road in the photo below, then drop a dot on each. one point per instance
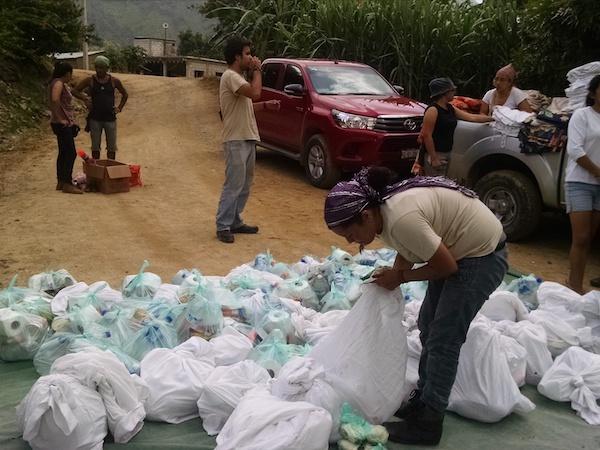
(171, 127)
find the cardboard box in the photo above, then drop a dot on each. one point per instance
(107, 176)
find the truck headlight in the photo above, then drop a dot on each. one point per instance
(347, 120)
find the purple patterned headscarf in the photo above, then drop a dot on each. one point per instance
(348, 198)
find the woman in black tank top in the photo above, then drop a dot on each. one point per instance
(439, 123)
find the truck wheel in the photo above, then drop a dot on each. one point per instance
(515, 200)
(318, 164)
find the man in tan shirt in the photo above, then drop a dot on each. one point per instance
(240, 135)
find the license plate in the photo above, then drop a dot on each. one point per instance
(409, 154)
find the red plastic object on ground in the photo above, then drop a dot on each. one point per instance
(83, 155)
(136, 175)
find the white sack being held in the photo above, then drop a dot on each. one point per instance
(484, 389)
(262, 421)
(365, 357)
(575, 377)
(123, 398)
(60, 413)
(504, 305)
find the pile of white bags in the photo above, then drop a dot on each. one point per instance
(580, 78)
(365, 357)
(60, 413)
(262, 421)
(484, 389)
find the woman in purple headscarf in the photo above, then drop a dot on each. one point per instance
(442, 224)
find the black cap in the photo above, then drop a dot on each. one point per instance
(439, 86)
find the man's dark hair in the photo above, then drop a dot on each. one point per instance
(61, 69)
(235, 46)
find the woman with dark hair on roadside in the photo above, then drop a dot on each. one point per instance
(442, 224)
(582, 183)
(63, 125)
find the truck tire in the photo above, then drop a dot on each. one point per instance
(318, 165)
(515, 200)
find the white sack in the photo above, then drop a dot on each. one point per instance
(356, 356)
(60, 302)
(516, 357)
(262, 421)
(224, 389)
(167, 293)
(575, 377)
(560, 334)
(122, 396)
(175, 378)
(484, 389)
(303, 379)
(533, 338)
(504, 305)
(230, 347)
(60, 413)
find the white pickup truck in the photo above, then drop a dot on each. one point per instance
(515, 185)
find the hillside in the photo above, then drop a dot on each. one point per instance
(120, 20)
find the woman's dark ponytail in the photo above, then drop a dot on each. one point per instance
(592, 88)
(381, 177)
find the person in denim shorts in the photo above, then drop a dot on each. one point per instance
(582, 183)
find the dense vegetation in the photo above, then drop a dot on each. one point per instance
(412, 41)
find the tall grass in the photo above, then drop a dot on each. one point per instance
(409, 41)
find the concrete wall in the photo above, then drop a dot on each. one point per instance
(200, 68)
(155, 47)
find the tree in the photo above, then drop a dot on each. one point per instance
(556, 36)
(196, 44)
(124, 59)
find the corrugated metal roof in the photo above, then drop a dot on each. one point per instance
(75, 55)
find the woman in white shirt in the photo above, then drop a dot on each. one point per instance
(582, 182)
(505, 93)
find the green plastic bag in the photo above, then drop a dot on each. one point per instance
(355, 429)
(274, 352)
(142, 285)
(202, 317)
(153, 334)
(61, 344)
(26, 300)
(21, 334)
(334, 300)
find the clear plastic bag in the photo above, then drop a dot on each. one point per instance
(202, 317)
(152, 334)
(26, 300)
(526, 288)
(355, 429)
(334, 300)
(21, 334)
(274, 352)
(142, 285)
(300, 290)
(51, 282)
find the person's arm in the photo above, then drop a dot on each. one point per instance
(469, 117)
(484, 108)
(253, 89)
(80, 92)
(441, 265)
(272, 105)
(575, 141)
(525, 106)
(124, 95)
(55, 102)
(426, 134)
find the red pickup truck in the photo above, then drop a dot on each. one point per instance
(336, 117)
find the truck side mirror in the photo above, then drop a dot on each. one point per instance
(399, 89)
(294, 89)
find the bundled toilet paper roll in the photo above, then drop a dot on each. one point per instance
(21, 334)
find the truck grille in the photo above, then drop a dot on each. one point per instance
(399, 124)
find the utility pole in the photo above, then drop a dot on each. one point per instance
(86, 62)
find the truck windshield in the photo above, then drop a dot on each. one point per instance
(348, 80)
